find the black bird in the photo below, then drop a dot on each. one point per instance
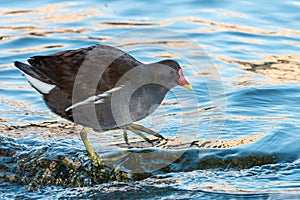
(102, 87)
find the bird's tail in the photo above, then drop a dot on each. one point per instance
(27, 69)
(39, 81)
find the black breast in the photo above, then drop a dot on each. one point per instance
(145, 100)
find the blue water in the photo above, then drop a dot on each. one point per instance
(206, 38)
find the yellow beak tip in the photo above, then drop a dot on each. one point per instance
(188, 86)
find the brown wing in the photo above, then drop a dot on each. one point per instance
(90, 70)
(61, 68)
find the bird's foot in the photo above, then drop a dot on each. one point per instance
(94, 157)
(138, 129)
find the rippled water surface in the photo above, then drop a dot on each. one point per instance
(241, 57)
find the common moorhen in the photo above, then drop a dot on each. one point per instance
(102, 87)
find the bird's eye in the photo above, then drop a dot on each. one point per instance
(172, 72)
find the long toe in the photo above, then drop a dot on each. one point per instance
(137, 132)
(146, 130)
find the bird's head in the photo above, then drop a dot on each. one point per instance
(172, 73)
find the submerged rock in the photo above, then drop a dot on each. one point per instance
(51, 163)
(63, 161)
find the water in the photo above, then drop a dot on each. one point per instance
(240, 57)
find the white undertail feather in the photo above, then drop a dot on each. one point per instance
(39, 85)
(96, 98)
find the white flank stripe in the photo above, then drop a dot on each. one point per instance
(39, 85)
(99, 101)
(90, 99)
(96, 99)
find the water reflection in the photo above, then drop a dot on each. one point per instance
(278, 68)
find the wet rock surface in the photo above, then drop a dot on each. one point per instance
(35, 163)
(63, 160)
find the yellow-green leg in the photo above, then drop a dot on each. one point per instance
(146, 130)
(88, 146)
(125, 135)
(134, 128)
(137, 129)
(138, 133)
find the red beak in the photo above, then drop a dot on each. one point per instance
(182, 81)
